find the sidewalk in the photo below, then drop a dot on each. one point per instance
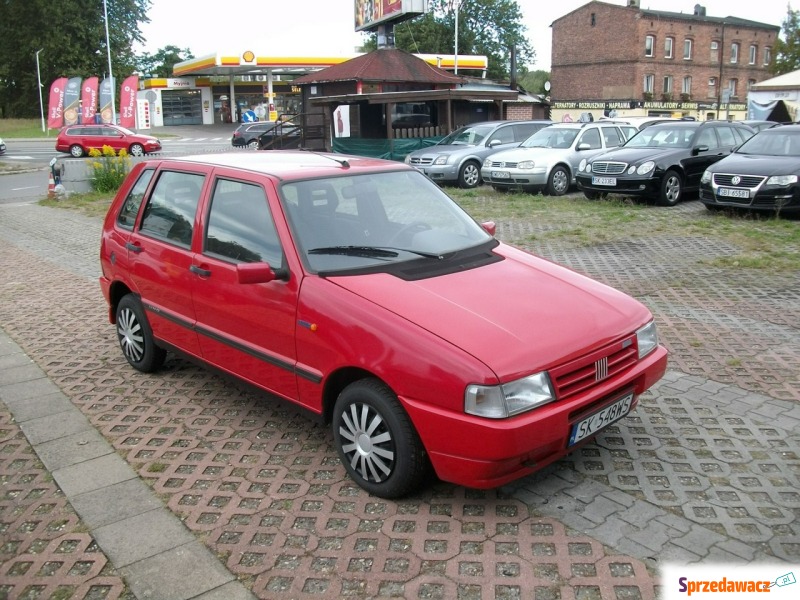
(136, 473)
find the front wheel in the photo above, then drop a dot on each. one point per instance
(376, 441)
(137, 150)
(671, 189)
(76, 151)
(136, 337)
(469, 176)
(558, 183)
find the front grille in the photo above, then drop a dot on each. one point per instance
(745, 181)
(503, 165)
(588, 371)
(609, 168)
(416, 160)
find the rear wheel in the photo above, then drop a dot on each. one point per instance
(376, 441)
(470, 175)
(136, 336)
(671, 189)
(558, 182)
(76, 151)
(137, 150)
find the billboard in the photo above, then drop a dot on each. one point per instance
(371, 13)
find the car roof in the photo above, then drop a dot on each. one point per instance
(292, 164)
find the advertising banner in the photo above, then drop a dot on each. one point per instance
(89, 100)
(72, 101)
(55, 109)
(127, 102)
(370, 13)
(106, 112)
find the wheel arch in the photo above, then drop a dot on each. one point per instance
(337, 381)
(116, 292)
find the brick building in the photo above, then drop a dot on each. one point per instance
(609, 57)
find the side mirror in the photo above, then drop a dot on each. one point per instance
(584, 146)
(259, 273)
(493, 143)
(490, 227)
(698, 149)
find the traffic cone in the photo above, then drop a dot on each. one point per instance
(51, 186)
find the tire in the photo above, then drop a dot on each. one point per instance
(558, 182)
(377, 443)
(136, 336)
(253, 145)
(671, 189)
(470, 175)
(76, 151)
(137, 150)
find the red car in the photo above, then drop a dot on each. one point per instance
(357, 289)
(79, 139)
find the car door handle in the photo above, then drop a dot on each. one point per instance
(200, 271)
(133, 247)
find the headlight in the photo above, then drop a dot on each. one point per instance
(487, 162)
(646, 167)
(582, 166)
(588, 167)
(647, 339)
(525, 165)
(440, 160)
(706, 178)
(782, 180)
(407, 159)
(501, 401)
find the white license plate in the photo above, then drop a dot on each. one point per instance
(501, 175)
(594, 423)
(734, 193)
(604, 181)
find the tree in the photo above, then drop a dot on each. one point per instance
(485, 27)
(786, 53)
(533, 81)
(161, 63)
(71, 35)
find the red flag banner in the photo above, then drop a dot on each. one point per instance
(127, 102)
(89, 100)
(55, 110)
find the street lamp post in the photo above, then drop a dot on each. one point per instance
(39, 80)
(110, 72)
(455, 57)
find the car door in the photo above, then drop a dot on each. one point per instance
(247, 329)
(590, 143)
(113, 137)
(160, 257)
(502, 137)
(698, 162)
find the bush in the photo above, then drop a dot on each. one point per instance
(108, 169)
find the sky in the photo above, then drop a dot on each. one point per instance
(325, 27)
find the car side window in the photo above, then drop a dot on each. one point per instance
(523, 131)
(591, 137)
(726, 136)
(505, 135)
(110, 132)
(171, 209)
(708, 138)
(611, 136)
(240, 226)
(130, 208)
(628, 131)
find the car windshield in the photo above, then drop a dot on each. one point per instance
(551, 137)
(773, 142)
(467, 136)
(358, 221)
(662, 136)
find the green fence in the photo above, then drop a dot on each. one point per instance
(389, 149)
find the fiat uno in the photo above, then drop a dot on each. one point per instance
(358, 290)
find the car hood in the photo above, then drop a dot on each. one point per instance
(518, 315)
(519, 154)
(637, 155)
(756, 164)
(443, 149)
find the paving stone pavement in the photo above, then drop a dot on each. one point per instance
(117, 484)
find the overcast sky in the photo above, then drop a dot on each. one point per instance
(325, 27)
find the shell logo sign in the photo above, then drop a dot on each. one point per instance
(248, 57)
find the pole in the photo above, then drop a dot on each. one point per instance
(39, 79)
(455, 57)
(110, 72)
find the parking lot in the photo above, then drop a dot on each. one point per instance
(706, 470)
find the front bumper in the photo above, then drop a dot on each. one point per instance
(767, 198)
(512, 448)
(630, 186)
(500, 177)
(439, 173)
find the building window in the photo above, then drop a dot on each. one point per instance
(712, 87)
(767, 55)
(667, 84)
(750, 84)
(687, 49)
(593, 20)
(734, 52)
(753, 54)
(649, 44)
(732, 87)
(714, 51)
(668, 44)
(649, 83)
(687, 85)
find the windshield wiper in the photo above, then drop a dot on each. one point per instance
(371, 251)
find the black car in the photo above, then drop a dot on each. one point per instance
(247, 134)
(663, 161)
(762, 174)
(759, 125)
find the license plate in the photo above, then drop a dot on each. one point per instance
(734, 193)
(501, 175)
(603, 418)
(604, 181)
